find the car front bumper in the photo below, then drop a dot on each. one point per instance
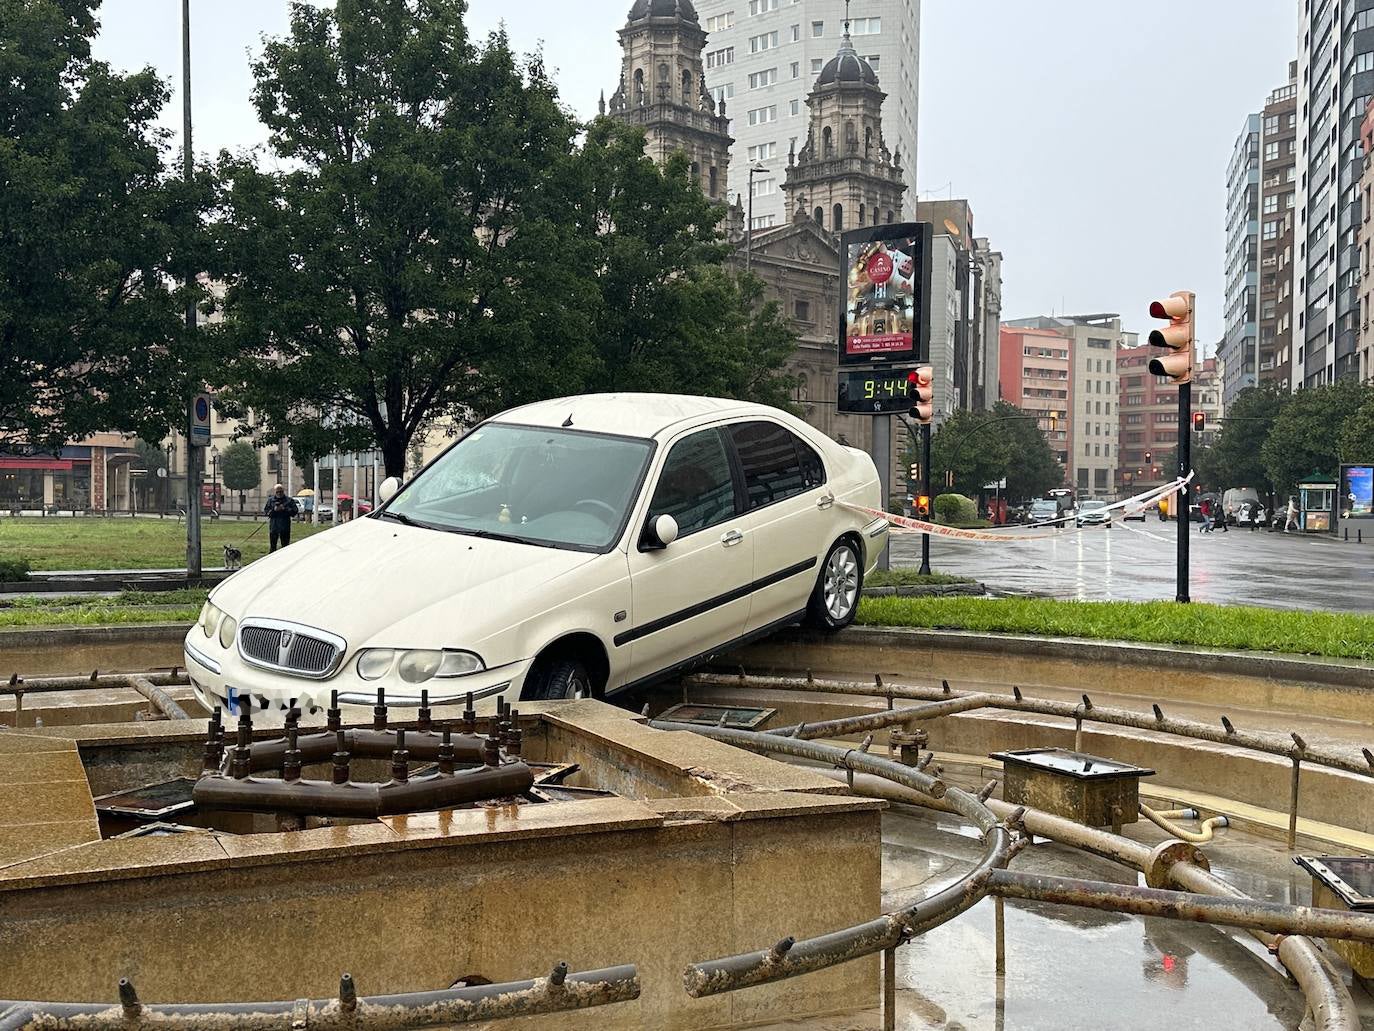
(222, 679)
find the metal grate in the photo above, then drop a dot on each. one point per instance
(284, 648)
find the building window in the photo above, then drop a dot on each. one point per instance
(794, 34)
(817, 29)
(865, 26)
(817, 63)
(758, 80)
(796, 71)
(763, 221)
(721, 57)
(763, 41)
(838, 219)
(1271, 125)
(1271, 152)
(802, 310)
(795, 108)
(765, 187)
(720, 21)
(723, 92)
(763, 152)
(873, 61)
(757, 7)
(762, 115)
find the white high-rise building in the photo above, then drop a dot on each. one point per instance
(763, 58)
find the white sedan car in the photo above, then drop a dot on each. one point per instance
(571, 547)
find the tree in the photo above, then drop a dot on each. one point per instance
(1306, 435)
(404, 267)
(153, 459)
(1357, 435)
(1032, 468)
(240, 468)
(968, 447)
(1235, 459)
(93, 234)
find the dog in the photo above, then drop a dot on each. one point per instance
(233, 557)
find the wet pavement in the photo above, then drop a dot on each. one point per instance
(1070, 969)
(1135, 562)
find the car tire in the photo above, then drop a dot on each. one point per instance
(553, 679)
(835, 598)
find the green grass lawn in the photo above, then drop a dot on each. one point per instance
(98, 543)
(911, 578)
(120, 609)
(1235, 627)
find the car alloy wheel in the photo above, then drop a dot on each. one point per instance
(841, 587)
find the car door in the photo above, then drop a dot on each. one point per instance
(790, 511)
(693, 595)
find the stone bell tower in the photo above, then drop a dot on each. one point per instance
(844, 175)
(663, 88)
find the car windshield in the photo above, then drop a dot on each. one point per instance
(1089, 506)
(564, 488)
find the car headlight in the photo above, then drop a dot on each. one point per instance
(209, 619)
(374, 663)
(228, 627)
(417, 665)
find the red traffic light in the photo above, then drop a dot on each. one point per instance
(1199, 421)
(1178, 336)
(922, 380)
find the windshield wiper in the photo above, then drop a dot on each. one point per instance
(492, 535)
(401, 517)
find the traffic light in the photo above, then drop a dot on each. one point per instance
(922, 380)
(923, 506)
(1179, 337)
(1199, 422)
(1148, 457)
(914, 472)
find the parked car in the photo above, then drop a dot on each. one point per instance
(1094, 513)
(1047, 510)
(1248, 514)
(1137, 513)
(1232, 499)
(572, 547)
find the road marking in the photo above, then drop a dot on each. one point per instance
(1146, 533)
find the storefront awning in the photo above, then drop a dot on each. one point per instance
(52, 464)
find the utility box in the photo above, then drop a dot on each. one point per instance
(1088, 789)
(1344, 882)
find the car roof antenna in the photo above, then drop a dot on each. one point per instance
(568, 421)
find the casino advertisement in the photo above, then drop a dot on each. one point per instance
(884, 280)
(1357, 492)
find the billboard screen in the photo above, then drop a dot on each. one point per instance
(1357, 492)
(885, 281)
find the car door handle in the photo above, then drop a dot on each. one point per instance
(731, 537)
(826, 501)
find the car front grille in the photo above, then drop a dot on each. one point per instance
(305, 653)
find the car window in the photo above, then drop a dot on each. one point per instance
(695, 487)
(768, 455)
(813, 469)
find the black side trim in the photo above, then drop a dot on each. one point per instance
(673, 618)
(679, 668)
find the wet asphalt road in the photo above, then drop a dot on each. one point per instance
(1134, 561)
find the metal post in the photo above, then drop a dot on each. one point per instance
(1185, 466)
(1293, 805)
(925, 491)
(193, 567)
(882, 458)
(889, 990)
(999, 914)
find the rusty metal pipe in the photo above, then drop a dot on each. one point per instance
(365, 743)
(1252, 914)
(478, 1004)
(161, 700)
(39, 685)
(880, 720)
(1272, 744)
(1201, 836)
(322, 798)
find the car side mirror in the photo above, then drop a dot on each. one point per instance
(661, 532)
(388, 488)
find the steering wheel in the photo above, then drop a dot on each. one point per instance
(612, 516)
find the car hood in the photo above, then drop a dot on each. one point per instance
(384, 583)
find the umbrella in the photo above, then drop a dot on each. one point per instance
(344, 497)
(305, 492)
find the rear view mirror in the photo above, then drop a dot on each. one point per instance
(388, 488)
(661, 532)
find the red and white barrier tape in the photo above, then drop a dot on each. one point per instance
(1144, 500)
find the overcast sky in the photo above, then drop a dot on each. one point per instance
(1090, 136)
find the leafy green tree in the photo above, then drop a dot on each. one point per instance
(1032, 468)
(1357, 436)
(1306, 436)
(92, 328)
(239, 466)
(967, 445)
(1235, 459)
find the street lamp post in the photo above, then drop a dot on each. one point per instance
(749, 226)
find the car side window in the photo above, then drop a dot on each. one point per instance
(773, 463)
(695, 486)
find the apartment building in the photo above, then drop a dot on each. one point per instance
(1148, 427)
(1277, 197)
(1035, 373)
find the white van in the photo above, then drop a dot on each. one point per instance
(1231, 501)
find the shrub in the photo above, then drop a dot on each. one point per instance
(955, 508)
(14, 570)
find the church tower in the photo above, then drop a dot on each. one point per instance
(663, 88)
(844, 177)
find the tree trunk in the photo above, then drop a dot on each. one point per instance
(394, 455)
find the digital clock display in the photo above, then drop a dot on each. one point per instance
(876, 392)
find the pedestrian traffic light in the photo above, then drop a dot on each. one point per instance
(922, 380)
(1178, 337)
(1199, 421)
(923, 506)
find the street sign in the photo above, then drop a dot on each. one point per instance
(200, 421)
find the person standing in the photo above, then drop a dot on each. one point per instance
(1206, 508)
(1292, 523)
(1256, 517)
(280, 511)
